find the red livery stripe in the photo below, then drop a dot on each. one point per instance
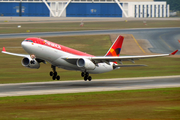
(58, 47)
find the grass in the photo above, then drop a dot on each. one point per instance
(49, 27)
(13, 72)
(155, 104)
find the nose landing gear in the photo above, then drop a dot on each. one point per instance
(54, 73)
(86, 76)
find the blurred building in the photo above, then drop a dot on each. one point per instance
(84, 8)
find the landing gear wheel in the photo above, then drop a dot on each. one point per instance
(55, 73)
(54, 77)
(85, 78)
(82, 74)
(87, 74)
(58, 77)
(89, 78)
(51, 73)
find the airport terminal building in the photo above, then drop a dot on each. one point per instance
(84, 8)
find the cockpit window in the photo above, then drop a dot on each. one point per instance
(28, 40)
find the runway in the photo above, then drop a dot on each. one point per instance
(163, 40)
(60, 87)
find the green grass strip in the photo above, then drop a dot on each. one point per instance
(153, 104)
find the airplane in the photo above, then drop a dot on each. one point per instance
(40, 50)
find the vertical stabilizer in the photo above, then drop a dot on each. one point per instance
(116, 47)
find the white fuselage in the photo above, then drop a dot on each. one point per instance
(55, 57)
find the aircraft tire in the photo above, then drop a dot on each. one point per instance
(54, 77)
(89, 78)
(85, 78)
(51, 73)
(58, 77)
(82, 74)
(87, 74)
(55, 74)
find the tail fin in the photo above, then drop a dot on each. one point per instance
(116, 47)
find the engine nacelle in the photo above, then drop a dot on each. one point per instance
(84, 63)
(30, 63)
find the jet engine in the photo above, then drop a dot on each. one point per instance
(30, 63)
(85, 64)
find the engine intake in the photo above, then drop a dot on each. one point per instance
(84, 63)
(30, 63)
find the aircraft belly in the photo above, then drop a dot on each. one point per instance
(61, 63)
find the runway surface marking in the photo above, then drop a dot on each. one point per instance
(138, 44)
(78, 86)
(165, 42)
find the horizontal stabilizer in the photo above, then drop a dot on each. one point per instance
(128, 65)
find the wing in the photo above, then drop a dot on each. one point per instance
(128, 58)
(15, 54)
(120, 58)
(22, 55)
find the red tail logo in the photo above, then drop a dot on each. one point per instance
(116, 47)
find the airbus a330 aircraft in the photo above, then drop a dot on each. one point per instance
(40, 50)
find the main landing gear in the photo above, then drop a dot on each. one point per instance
(86, 76)
(54, 73)
(55, 76)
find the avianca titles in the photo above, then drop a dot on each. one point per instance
(40, 50)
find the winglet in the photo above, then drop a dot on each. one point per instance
(4, 50)
(173, 53)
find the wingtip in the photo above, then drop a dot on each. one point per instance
(3, 50)
(173, 53)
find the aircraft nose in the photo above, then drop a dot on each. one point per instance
(23, 44)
